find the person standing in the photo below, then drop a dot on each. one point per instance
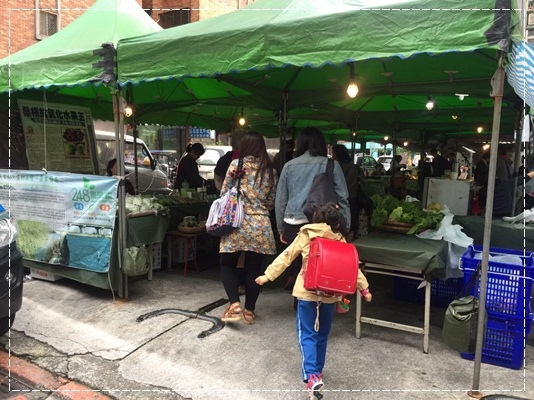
(111, 169)
(290, 150)
(354, 177)
(439, 163)
(293, 188)
(314, 313)
(224, 162)
(188, 168)
(255, 235)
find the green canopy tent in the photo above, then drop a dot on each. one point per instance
(301, 54)
(59, 69)
(294, 55)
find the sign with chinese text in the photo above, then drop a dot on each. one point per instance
(62, 218)
(58, 137)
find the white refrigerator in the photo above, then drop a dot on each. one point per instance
(456, 194)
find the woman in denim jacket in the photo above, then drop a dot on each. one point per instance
(294, 184)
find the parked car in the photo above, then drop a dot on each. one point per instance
(11, 273)
(366, 162)
(208, 160)
(150, 178)
(385, 161)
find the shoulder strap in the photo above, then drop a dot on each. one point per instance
(330, 168)
(239, 168)
(468, 286)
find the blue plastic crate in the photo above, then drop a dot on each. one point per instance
(509, 286)
(504, 341)
(442, 291)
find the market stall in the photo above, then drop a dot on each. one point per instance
(403, 256)
(504, 235)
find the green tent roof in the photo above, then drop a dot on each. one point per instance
(66, 58)
(278, 33)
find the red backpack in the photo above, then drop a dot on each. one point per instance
(332, 267)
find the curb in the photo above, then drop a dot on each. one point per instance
(43, 380)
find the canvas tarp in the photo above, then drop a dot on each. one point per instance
(250, 59)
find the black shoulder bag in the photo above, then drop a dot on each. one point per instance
(322, 191)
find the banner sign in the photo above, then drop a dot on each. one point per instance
(62, 218)
(199, 133)
(58, 137)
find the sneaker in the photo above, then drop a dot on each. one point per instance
(315, 384)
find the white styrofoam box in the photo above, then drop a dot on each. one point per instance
(155, 249)
(43, 275)
(178, 250)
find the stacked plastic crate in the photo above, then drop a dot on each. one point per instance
(508, 303)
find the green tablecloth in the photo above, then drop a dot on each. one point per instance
(146, 229)
(399, 250)
(503, 234)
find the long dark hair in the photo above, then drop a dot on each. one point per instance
(311, 139)
(253, 144)
(341, 153)
(328, 213)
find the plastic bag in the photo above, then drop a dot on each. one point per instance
(135, 261)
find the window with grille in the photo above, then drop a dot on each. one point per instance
(46, 24)
(175, 18)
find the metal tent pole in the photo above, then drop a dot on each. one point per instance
(118, 105)
(497, 84)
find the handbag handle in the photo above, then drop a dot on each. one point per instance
(468, 287)
(239, 168)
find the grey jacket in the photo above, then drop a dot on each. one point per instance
(295, 183)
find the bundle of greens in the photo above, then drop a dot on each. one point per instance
(388, 209)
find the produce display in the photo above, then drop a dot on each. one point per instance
(408, 216)
(143, 203)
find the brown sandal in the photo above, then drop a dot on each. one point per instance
(232, 313)
(249, 316)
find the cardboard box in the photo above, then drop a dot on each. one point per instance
(155, 249)
(43, 275)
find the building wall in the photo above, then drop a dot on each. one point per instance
(17, 29)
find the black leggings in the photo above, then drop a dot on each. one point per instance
(230, 277)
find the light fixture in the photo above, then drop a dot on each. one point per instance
(352, 89)
(469, 150)
(128, 111)
(386, 138)
(429, 104)
(480, 129)
(242, 119)
(454, 116)
(485, 147)
(405, 144)
(461, 96)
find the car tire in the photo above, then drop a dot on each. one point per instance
(5, 323)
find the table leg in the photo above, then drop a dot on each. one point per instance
(358, 315)
(426, 322)
(169, 252)
(150, 263)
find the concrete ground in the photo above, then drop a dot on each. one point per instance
(86, 335)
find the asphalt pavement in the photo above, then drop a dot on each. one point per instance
(94, 344)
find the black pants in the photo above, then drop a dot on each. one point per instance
(230, 276)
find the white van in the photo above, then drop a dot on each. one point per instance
(150, 178)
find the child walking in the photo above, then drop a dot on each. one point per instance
(314, 312)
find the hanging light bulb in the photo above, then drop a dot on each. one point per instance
(480, 129)
(461, 96)
(352, 89)
(128, 111)
(242, 119)
(429, 104)
(405, 144)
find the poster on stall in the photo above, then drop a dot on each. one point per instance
(62, 218)
(59, 137)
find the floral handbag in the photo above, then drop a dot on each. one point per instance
(226, 213)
